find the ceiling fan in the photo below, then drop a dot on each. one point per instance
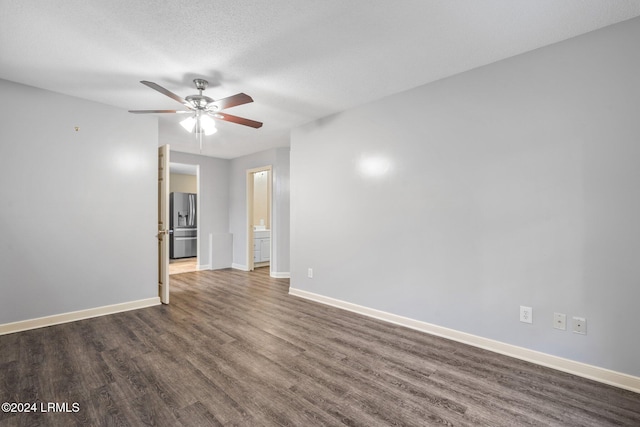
(203, 109)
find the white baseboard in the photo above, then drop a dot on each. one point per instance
(280, 274)
(201, 267)
(606, 376)
(239, 267)
(274, 274)
(56, 319)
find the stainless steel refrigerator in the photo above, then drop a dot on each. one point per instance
(183, 225)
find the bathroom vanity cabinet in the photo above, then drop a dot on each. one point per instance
(261, 246)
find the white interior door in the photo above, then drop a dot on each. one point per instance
(163, 223)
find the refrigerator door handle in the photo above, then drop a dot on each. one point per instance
(191, 210)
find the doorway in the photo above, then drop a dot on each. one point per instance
(184, 218)
(259, 217)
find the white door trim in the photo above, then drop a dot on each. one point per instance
(163, 223)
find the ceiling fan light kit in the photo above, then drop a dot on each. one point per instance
(203, 108)
(199, 124)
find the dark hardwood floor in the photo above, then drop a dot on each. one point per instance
(234, 348)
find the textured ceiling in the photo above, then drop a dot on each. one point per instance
(299, 59)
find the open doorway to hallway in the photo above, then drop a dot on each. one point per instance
(259, 214)
(184, 218)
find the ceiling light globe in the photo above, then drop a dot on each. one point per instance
(189, 123)
(208, 125)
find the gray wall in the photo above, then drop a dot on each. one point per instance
(512, 184)
(281, 212)
(278, 158)
(78, 214)
(215, 242)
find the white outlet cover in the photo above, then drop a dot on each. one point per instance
(526, 314)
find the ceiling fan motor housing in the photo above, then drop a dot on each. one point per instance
(199, 102)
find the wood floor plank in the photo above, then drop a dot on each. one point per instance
(198, 415)
(234, 348)
(104, 410)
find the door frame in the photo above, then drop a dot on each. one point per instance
(249, 224)
(164, 154)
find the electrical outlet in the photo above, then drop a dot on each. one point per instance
(526, 314)
(560, 321)
(310, 273)
(580, 325)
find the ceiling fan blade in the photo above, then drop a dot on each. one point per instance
(164, 91)
(232, 101)
(238, 120)
(158, 111)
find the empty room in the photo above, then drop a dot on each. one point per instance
(325, 213)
